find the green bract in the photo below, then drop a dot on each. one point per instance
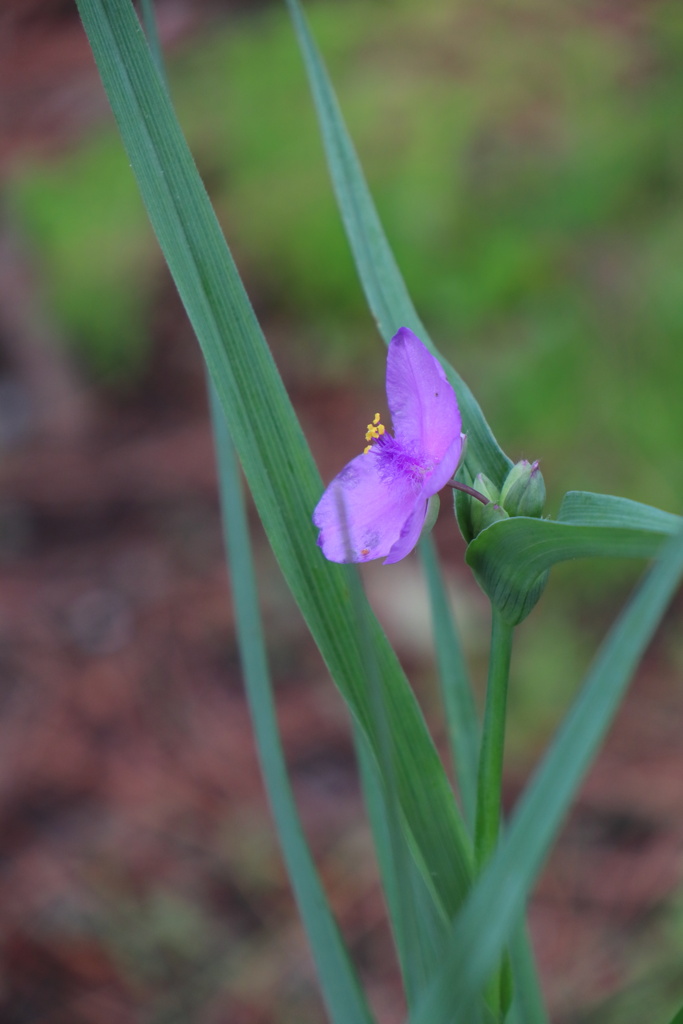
(511, 559)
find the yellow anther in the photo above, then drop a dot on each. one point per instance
(375, 430)
(366, 450)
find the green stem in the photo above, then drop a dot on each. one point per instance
(489, 781)
(490, 777)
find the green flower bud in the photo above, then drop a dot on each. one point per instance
(482, 515)
(523, 492)
(485, 487)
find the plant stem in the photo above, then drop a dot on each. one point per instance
(457, 486)
(490, 776)
(489, 781)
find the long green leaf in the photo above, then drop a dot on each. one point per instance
(380, 277)
(583, 508)
(484, 925)
(678, 1018)
(461, 713)
(149, 23)
(527, 1000)
(418, 929)
(511, 558)
(340, 987)
(271, 447)
(341, 991)
(413, 915)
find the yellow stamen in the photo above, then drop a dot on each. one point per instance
(374, 430)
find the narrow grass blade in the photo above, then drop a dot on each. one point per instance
(485, 923)
(456, 691)
(414, 939)
(527, 1001)
(151, 28)
(276, 459)
(678, 1019)
(380, 277)
(341, 991)
(418, 929)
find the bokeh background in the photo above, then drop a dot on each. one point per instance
(527, 162)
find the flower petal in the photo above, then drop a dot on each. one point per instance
(444, 470)
(377, 505)
(423, 405)
(410, 534)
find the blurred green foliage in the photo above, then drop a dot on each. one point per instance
(92, 242)
(528, 164)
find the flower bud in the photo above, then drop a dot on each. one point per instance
(482, 515)
(523, 493)
(486, 487)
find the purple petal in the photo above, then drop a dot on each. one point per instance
(444, 470)
(377, 506)
(410, 534)
(423, 405)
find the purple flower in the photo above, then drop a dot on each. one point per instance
(376, 506)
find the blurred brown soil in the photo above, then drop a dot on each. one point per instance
(139, 880)
(138, 872)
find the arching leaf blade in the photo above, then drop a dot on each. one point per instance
(272, 449)
(583, 508)
(511, 559)
(379, 274)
